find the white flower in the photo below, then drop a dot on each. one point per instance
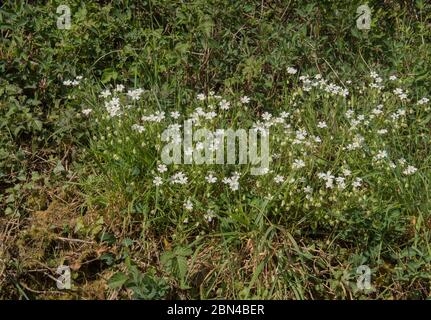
(373, 74)
(357, 183)
(291, 70)
(105, 93)
(119, 88)
(113, 107)
(210, 178)
(224, 105)
(233, 182)
(328, 178)
(245, 99)
(210, 115)
(188, 205)
(308, 189)
(423, 101)
(138, 128)
(349, 113)
(201, 97)
(162, 168)
(157, 181)
(135, 94)
(266, 116)
(284, 114)
(175, 114)
(298, 163)
(341, 182)
(393, 78)
(86, 112)
(179, 178)
(322, 124)
(209, 216)
(381, 155)
(382, 131)
(410, 170)
(79, 78)
(347, 172)
(278, 179)
(67, 82)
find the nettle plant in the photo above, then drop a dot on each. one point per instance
(339, 154)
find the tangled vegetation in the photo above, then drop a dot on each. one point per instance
(83, 183)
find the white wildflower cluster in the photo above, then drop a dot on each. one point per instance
(233, 181)
(73, 83)
(158, 116)
(380, 155)
(377, 81)
(357, 143)
(423, 101)
(298, 164)
(400, 93)
(296, 145)
(86, 112)
(210, 178)
(188, 205)
(135, 94)
(200, 114)
(179, 178)
(409, 170)
(209, 215)
(211, 95)
(278, 179)
(113, 107)
(339, 181)
(138, 128)
(377, 111)
(291, 70)
(398, 114)
(328, 178)
(322, 124)
(320, 83)
(120, 88)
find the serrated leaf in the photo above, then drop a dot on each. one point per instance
(117, 280)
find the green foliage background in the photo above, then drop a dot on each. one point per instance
(191, 46)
